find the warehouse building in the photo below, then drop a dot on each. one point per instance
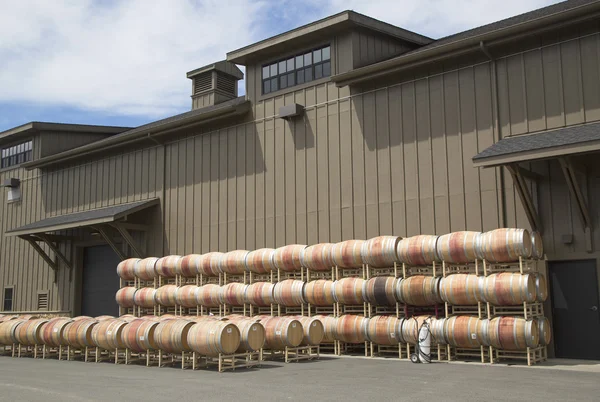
(349, 128)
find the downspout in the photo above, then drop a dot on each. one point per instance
(164, 192)
(497, 128)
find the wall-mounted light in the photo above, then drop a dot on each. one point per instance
(14, 188)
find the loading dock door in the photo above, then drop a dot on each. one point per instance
(100, 282)
(576, 319)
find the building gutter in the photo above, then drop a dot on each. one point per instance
(466, 45)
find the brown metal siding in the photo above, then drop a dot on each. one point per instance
(369, 48)
(53, 142)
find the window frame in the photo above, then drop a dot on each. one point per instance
(264, 67)
(12, 298)
(15, 154)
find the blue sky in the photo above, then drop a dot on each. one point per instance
(123, 63)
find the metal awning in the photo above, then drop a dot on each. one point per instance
(543, 145)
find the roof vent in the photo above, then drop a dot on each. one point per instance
(214, 84)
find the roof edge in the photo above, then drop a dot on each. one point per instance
(49, 126)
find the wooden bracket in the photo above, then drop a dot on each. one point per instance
(570, 170)
(110, 241)
(525, 195)
(44, 237)
(127, 237)
(52, 263)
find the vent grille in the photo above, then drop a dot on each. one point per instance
(226, 83)
(42, 301)
(202, 83)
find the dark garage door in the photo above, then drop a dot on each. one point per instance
(100, 281)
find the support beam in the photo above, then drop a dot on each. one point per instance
(57, 252)
(570, 171)
(134, 226)
(526, 198)
(528, 174)
(52, 263)
(110, 241)
(127, 237)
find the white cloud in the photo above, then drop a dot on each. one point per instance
(130, 57)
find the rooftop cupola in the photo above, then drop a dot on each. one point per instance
(214, 84)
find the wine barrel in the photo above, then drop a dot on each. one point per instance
(252, 333)
(145, 269)
(318, 257)
(166, 295)
(78, 333)
(313, 329)
(351, 328)
(437, 330)
(513, 333)
(126, 268)
(281, 332)
(165, 317)
(29, 317)
(463, 331)
(138, 335)
(260, 294)
(329, 324)
(462, 289)
(105, 317)
(410, 328)
(7, 331)
(29, 333)
(167, 266)
(545, 332)
(260, 261)
(537, 246)
(212, 338)
(504, 245)
(171, 336)
(349, 290)
(380, 291)
(208, 264)
(347, 254)
(509, 289)
(125, 296)
(289, 293)
(541, 287)
(419, 290)
(233, 294)
(187, 296)
(187, 266)
(458, 247)
(83, 317)
(319, 292)
(384, 330)
(52, 333)
(8, 317)
(380, 251)
(107, 334)
(209, 295)
(233, 262)
(287, 258)
(127, 317)
(145, 297)
(418, 250)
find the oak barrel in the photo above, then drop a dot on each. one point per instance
(209, 295)
(418, 250)
(458, 247)
(212, 337)
(318, 257)
(541, 287)
(329, 324)
(52, 333)
(82, 317)
(351, 328)
(29, 333)
(187, 266)
(171, 335)
(380, 291)
(287, 258)
(347, 254)
(545, 332)
(509, 289)
(437, 330)
(145, 297)
(349, 290)
(104, 317)
(138, 335)
(8, 317)
(380, 251)
(504, 245)
(289, 293)
(463, 331)
(410, 328)
(233, 262)
(126, 268)
(313, 330)
(537, 246)
(281, 332)
(128, 317)
(166, 295)
(513, 333)
(319, 292)
(125, 296)
(462, 289)
(145, 269)
(233, 294)
(260, 294)
(78, 333)
(384, 330)
(419, 290)
(252, 333)
(107, 334)
(187, 296)
(261, 261)
(167, 266)
(7, 331)
(208, 264)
